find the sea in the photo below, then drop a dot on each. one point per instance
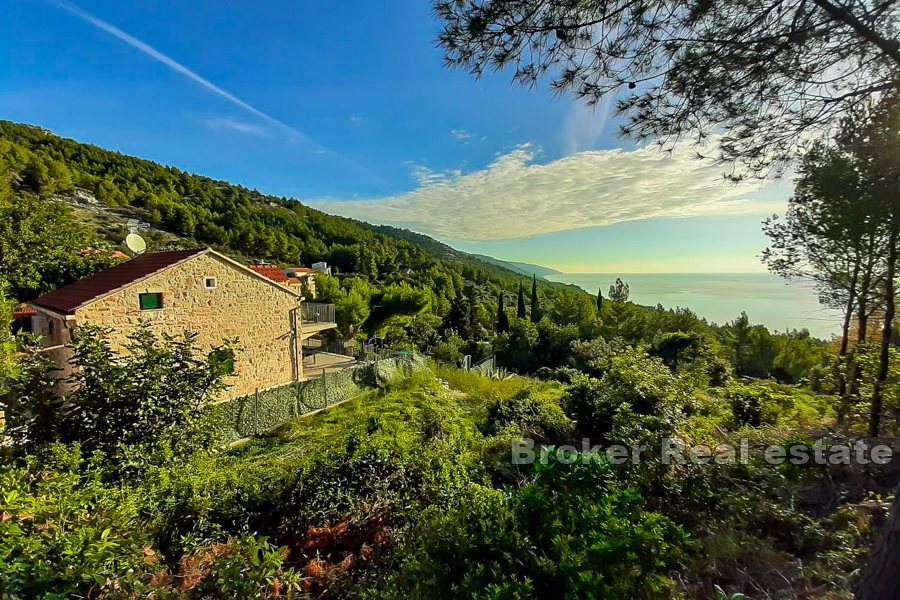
(720, 297)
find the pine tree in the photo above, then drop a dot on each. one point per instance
(535, 302)
(463, 315)
(502, 317)
(521, 312)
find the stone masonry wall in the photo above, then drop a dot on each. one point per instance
(241, 306)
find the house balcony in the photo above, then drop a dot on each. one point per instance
(316, 317)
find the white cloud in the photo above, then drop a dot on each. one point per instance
(229, 123)
(516, 197)
(462, 134)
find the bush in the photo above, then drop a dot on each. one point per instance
(767, 403)
(543, 420)
(570, 534)
(63, 533)
(642, 385)
(153, 393)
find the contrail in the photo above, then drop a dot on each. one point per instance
(173, 64)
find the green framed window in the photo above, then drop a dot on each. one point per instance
(151, 301)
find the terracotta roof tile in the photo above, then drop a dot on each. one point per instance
(67, 299)
(22, 311)
(271, 272)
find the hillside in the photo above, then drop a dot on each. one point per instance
(245, 222)
(519, 267)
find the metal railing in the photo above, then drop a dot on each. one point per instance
(314, 312)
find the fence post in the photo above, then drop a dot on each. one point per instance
(256, 413)
(325, 387)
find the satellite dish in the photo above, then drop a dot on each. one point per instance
(135, 243)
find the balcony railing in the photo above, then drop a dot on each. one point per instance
(314, 312)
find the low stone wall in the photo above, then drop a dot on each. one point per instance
(257, 413)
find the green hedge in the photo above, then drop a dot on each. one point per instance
(257, 413)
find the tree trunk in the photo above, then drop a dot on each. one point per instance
(887, 336)
(845, 343)
(879, 579)
(862, 324)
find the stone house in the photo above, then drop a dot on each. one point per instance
(304, 275)
(195, 290)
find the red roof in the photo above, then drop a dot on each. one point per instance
(300, 270)
(23, 310)
(67, 299)
(271, 272)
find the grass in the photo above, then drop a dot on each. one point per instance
(399, 410)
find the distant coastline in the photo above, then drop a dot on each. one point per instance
(720, 297)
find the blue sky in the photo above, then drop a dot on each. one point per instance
(346, 106)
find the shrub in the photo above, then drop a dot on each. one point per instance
(635, 382)
(569, 534)
(154, 392)
(595, 356)
(536, 418)
(746, 409)
(62, 532)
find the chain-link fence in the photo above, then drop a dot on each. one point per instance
(257, 413)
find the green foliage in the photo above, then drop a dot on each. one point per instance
(530, 417)
(515, 349)
(593, 541)
(154, 392)
(63, 532)
(8, 345)
(572, 307)
(634, 385)
(42, 246)
(502, 317)
(521, 311)
(768, 403)
(594, 357)
(33, 411)
(536, 313)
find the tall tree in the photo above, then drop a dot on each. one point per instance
(536, 313)
(43, 246)
(521, 311)
(831, 236)
(600, 301)
(878, 146)
(767, 74)
(463, 315)
(502, 317)
(619, 291)
(739, 334)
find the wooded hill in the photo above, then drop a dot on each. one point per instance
(227, 216)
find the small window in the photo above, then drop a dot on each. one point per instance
(210, 283)
(153, 301)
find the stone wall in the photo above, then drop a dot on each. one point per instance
(242, 306)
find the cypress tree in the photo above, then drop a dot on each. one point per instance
(535, 302)
(599, 300)
(502, 317)
(521, 312)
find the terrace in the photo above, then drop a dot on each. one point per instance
(316, 317)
